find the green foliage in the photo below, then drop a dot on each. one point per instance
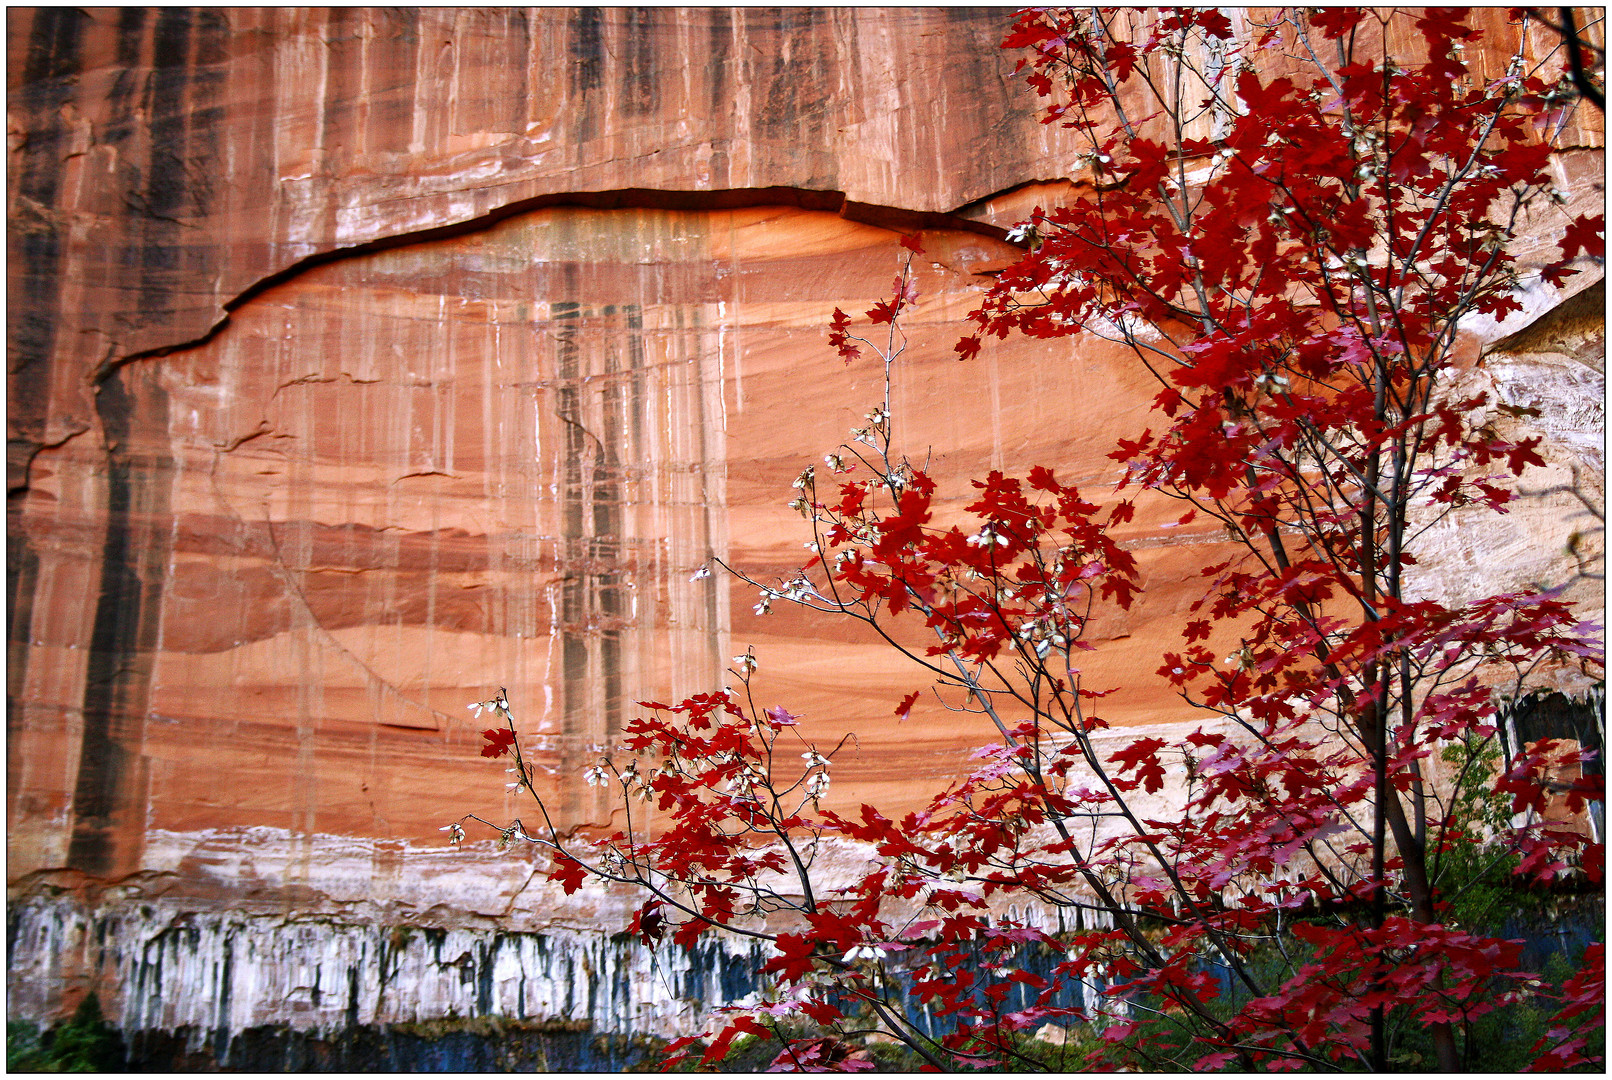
(1476, 873)
(86, 1043)
(22, 1046)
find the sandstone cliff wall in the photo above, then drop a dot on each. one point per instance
(361, 362)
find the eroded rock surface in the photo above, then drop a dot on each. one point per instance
(526, 316)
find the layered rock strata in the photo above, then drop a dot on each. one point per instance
(362, 362)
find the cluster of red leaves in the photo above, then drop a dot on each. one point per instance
(1047, 543)
(1295, 280)
(1291, 257)
(1344, 229)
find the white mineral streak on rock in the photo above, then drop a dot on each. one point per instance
(346, 950)
(336, 943)
(225, 972)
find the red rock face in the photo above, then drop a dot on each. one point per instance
(166, 162)
(404, 479)
(169, 165)
(526, 323)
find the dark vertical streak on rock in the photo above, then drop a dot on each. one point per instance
(226, 978)
(980, 78)
(610, 543)
(206, 116)
(110, 792)
(708, 620)
(33, 295)
(587, 50)
(22, 575)
(573, 647)
(343, 70)
(394, 61)
(792, 95)
(352, 996)
(487, 957)
(109, 795)
(720, 48)
(53, 45)
(709, 465)
(721, 95)
(637, 85)
(635, 376)
(120, 102)
(52, 49)
(521, 48)
(586, 71)
(164, 193)
(33, 238)
(597, 397)
(123, 127)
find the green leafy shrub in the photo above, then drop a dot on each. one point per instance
(86, 1043)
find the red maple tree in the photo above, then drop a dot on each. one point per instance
(1288, 227)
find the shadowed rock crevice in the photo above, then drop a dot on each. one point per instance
(894, 218)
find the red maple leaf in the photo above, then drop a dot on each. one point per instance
(1585, 234)
(723, 1042)
(1523, 454)
(1142, 756)
(498, 742)
(568, 872)
(794, 959)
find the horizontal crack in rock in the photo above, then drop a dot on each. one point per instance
(897, 219)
